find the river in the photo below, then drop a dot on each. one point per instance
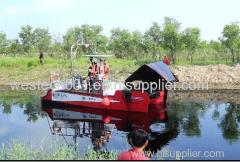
(185, 129)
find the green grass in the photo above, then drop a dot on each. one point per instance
(18, 151)
(28, 70)
(27, 62)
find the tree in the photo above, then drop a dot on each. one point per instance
(56, 48)
(119, 42)
(92, 34)
(41, 38)
(89, 34)
(71, 37)
(124, 43)
(238, 50)
(230, 38)
(203, 45)
(171, 36)
(26, 37)
(136, 46)
(15, 47)
(217, 47)
(3, 43)
(152, 39)
(191, 39)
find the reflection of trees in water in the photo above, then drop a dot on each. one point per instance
(230, 123)
(186, 115)
(29, 102)
(33, 112)
(216, 113)
(182, 116)
(6, 107)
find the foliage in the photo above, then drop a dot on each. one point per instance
(230, 123)
(126, 44)
(3, 42)
(20, 151)
(183, 46)
(88, 34)
(14, 47)
(191, 39)
(152, 40)
(231, 40)
(41, 39)
(38, 38)
(26, 37)
(171, 36)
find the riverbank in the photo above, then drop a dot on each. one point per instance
(213, 95)
(215, 76)
(27, 71)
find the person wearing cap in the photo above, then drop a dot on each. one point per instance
(138, 140)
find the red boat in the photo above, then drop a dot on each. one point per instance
(125, 97)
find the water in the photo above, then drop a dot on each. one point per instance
(204, 127)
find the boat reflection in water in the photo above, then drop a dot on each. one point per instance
(98, 124)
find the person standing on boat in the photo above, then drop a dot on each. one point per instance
(103, 70)
(106, 70)
(92, 70)
(100, 70)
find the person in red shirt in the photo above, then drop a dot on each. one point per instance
(138, 140)
(166, 60)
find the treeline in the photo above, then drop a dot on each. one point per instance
(167, 39)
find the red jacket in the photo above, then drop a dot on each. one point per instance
(132, 154)
(166, 61)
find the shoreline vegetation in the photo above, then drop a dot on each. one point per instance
(19, 151)
(27, 70)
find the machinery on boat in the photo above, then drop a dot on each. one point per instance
(113, 95)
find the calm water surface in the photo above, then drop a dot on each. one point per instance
(182, 126)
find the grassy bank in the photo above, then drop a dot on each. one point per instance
(18, 151)
(27, 69)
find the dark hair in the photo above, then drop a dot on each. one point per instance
(137, 138)
(91, 59)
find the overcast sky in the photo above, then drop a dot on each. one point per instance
(58, 15)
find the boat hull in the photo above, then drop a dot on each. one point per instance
(139, 102)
